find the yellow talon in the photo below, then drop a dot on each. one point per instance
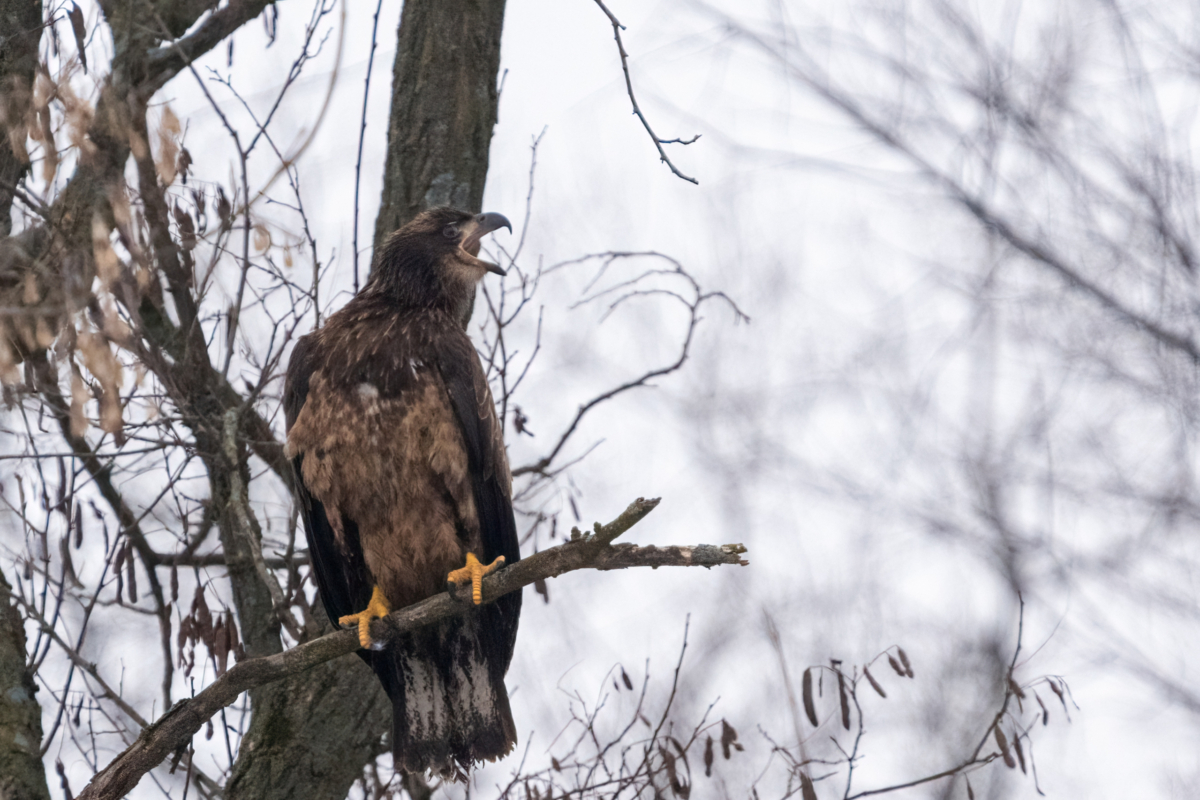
(474, 572)
(376, 608)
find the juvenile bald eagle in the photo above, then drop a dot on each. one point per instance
(403, 478)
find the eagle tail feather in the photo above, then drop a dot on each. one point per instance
(450, 707)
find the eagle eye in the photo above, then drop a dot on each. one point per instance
(450, 232)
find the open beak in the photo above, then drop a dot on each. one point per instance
(481, 226)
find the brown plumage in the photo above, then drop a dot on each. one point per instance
(401, 473)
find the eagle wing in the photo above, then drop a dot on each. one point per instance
(491, 481)
(340, 570)
(424, 444)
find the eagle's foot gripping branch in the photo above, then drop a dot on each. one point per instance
(474, 573)
(377, 608)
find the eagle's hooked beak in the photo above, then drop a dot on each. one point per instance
(481, 226)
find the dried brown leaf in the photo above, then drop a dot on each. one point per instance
(224, 209)
(183, 163)
(170, 122)
(728, 739)
(220, 646)
(235, 644)
(187, 229)
(203, 617)
(625, 679)
(45, 334)
(807, 791)
(31, 294)
(1020, 751)
(669, 765)
(79, 398)
(80, 32)
(168, 147)
(49, 148)
(262, 237)
(108, 266)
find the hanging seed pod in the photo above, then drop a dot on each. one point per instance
(64, 551)
(810, 709)
(1020, 751)
(807, 792)
(895, 665)
(874, 683)
(1002, 742)
(708, 757)
(131, 577)
(843, 700)
(904, 660)
(220, 651)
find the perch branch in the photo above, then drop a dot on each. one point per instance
(175, 729)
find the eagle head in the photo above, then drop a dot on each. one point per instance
(434, 259)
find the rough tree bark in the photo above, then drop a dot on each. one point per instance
(444, 104)
(311, 734)
(20, 30)
(21, 774)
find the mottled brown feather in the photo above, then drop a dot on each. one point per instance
(401, 470)
(387, 452)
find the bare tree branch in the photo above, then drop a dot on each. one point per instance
(662, 154)
(591, 551)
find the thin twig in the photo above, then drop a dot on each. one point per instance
(662, 154)
(362, 133)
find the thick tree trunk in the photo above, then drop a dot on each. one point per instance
(21, 774)
(20, 31)
(311, 735)
(444, 101)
